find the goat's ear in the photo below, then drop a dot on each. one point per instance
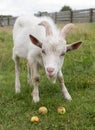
(35, 41)
(74, 46)
(66, 29)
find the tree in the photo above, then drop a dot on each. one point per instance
(66, 8)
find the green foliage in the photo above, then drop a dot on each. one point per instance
(66, 8)
(16, 110)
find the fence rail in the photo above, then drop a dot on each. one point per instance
(75, 16)
(86, 15)
(7, 21)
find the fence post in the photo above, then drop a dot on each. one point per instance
(8, 21)
(0, 20)
(71, 16)
(91, 15)
(55, 17)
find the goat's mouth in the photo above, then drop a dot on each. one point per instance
(51, 76)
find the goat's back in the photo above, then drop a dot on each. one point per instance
(29, 24)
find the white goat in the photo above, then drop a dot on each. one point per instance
(40, 42)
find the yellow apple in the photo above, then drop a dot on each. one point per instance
(35, 119)
(43, 110)
(61, 110)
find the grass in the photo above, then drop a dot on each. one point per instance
(16, 110)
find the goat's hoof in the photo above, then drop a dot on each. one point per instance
(36, 99)
(68, 97)
(17, 91)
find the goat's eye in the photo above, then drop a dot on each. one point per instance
(43, 51)
(62, 54)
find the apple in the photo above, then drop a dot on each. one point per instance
(35, 119)
(61, 110)
(43, 110)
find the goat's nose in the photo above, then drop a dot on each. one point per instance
(50, 70)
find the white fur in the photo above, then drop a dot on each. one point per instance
(53, 46)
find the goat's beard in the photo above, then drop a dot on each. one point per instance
(52, 79)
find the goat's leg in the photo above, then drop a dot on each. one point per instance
(64, 89)
(35, 81)
(29, 75)
(17, 73)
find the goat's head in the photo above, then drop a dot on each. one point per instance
(54, 48)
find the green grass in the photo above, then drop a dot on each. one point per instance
(16, 110)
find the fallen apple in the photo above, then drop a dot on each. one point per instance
(61, 110)
(35, 119)
(43, 110)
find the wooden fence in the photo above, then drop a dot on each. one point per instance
(75, 16)
(81, 16)
(7, 21)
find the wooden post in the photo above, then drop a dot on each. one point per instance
(8, 21)
(55, 17)
(71, 16)
(91, 15)
(0, 20)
